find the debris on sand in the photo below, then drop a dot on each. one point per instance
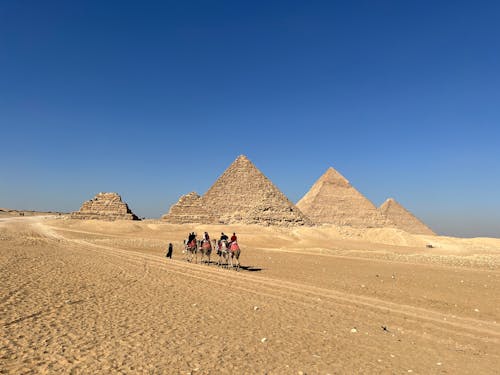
(354, 330)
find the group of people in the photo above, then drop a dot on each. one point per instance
(206, 237)
(226, 238)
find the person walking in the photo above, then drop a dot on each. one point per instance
(170, 250)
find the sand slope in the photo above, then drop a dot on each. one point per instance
(89, 296)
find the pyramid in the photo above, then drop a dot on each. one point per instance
(402, 218)
(333, 200)
(188, 209)
(242, 194)
(105, 206)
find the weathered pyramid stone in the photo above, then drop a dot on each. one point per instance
(105, 206)
(188, 209)
(244, 195)
(402, 218)
(333, 200)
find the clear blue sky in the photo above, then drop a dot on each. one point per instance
(155, 99)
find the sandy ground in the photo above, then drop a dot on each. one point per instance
(99, 297)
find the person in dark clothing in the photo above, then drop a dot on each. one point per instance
(223, 237)
(206, 237)
(191, 237)
(170, 250)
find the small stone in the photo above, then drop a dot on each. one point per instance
(392, 355)
(439, 363)
(194, 304)
(256, 308)
(264, 339)
(363, 286)
(354, 330)
(410, 370)
(476, 310)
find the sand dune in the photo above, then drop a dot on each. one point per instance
(99, 297)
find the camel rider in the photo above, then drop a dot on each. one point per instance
(234, 238)
(223, 237)
(206, 237)
(191, 237)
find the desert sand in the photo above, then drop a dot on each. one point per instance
(88, 296)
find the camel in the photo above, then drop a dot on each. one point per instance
(206, 250)
(192, 251)
(234, 252)
(223, 252)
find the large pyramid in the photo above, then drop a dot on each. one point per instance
(333, 200)
(402, 218)
(244, 195)
(105, 206)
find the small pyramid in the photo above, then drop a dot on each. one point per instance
(244, 195)
(105, 206)
(188, 209)
(333, 200)
(403, 219)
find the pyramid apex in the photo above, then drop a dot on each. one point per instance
(333, 176)
(390, 202)
(242, 157)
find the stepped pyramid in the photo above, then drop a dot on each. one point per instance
(333, 200)
(244, 195)
(402, 218)
(188, 209)
(105, 206)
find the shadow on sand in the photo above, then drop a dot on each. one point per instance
(250, 268)
(243, 268)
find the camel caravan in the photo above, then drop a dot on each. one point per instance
(228, 250)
